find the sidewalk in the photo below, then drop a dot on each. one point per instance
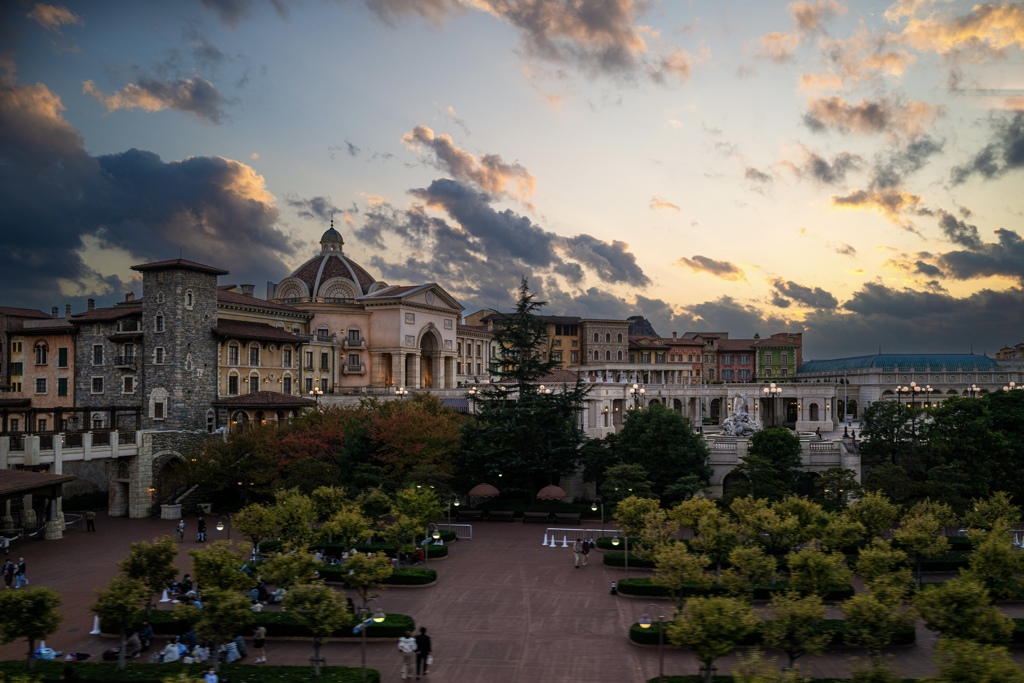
(505, 609)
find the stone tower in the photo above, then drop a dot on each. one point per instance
(180, 365)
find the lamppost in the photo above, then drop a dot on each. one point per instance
(645, 623)
(472, 400)
(365, 620)
(772, 392)
(220, 524)
(452, 500)
(1013, 386)
(973, 391)
(432, 533)
(543, 390)
(615, 543)
(401, 393)
(316, 392)
(593, 506)
(636, 392)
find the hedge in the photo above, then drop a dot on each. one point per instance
(618, 559)
(403, 576)
(278, 625)
(336, 549)
(646, 587)
(137, 672)
(836, 627)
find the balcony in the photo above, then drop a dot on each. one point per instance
(125, 362)
(353, 369)
(354, 344)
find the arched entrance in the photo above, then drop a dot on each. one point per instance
(730, 481)
(430, 359)
(171, 478)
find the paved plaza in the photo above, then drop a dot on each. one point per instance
(505, 609)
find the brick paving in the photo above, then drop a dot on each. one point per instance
(505, 609)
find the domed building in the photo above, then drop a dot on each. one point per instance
(365, 332)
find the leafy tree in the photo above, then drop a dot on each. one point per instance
(219, 566)
(256, 522)
(762, 523)
(754, 668)
(328, 500)
(690, 512)
(712, 628)
(31, 614)
(349, 525)
(817, 572)
(840, 532)
(835, 487)
(675, 567)
(224, 615)
(286, 570)
(623, 480)
(772, 466)
(665, 445)
(631, 514)
(365, 574)
(995, 563)
(962, 661)
(152, 564)
(413, 509)
(997, 509)
(296, 517)
(531, 437)
(320, 609)
(885, 433)
(716, 536)
(415, 436)
(750, 567)
(244, 468)
(118, 606)
(962, 608)
(880, 566)
(875, 512)
(374, 503)
(795, 625)
(922, 536)
(812, 517)
(873, 621)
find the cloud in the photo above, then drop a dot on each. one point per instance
(845, 250)
(891, 203)
(891, 171)
(1004, 258)
(757, 176)
(315, 208)
(611, 262)
(209, 209)
(811, 297)
(830, 172)
(659, 204)
(231, 12)
(193, 95)
(489, 172)
(433, 11)
(1004, 154)
(52, 17)
(810, 17)
(927, 269)
(720, 269)
(986, 28)
(867, 116)
(779, 47)
(959, 231)
(865, 56)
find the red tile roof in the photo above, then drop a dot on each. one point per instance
(240, 329)
(224, 295)
(178, 264)
(264, 399)
(112, 313)
(22, 312)
(15, 481)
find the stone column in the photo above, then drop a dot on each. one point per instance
(417, 376)
(28, 514)
(87, 446)
(398, 369)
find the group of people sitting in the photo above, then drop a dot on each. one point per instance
(188, 650)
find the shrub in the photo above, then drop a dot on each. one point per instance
(104, 672)
(646, 588)
(278, 624)
(835, 627)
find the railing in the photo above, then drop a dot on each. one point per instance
(129, 327)
(461, 531)
(17, 442)
(101, 438)
(323, 338)
(73, 440)
(336, 300)
(46, 441)
(353, 369)
(124, 361)
(570, 534)
(353, 344)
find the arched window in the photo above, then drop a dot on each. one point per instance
(620, 337)
(597, 355)
(210, 421)
(189, 299)
(620, 354)
(607, 355)
(40, 350)
(254, 383)
(597, 337)
(607, 338)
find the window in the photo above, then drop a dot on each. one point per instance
(690, 358)
(767, 356)
(41, 353)
(16, 369)
(232, 385)
(353, 360)
(573, 344)
(480, 350)
(286, 358)
(158, 355)
(558, 342)
(744, 359)
(784, 372)
(42, 425)
(158, 323)
(744, 375)
(254, 384)
(785, 359)
(620, 355)
(40, 385)
(128, 357)
(353, 336)
(97, 385)
(232, 355)
(726, 360)
(597, 355)
(129, 386)
(189, 299)
(607, 338)
(254, 356)
(597, 337)
(325, 360)
(323, 384)
(287, 383)
(62, 357)
(15, 425)
(211, 420)
(727, 374)
(620, 337)
(158, 410)
(645, 357)
(574, 357)
(767, 372)
(16, 347)
(309, 384)
(309, 360)
(97, 354)
(557, 356)
(607, 355)
(323, 333)
(62, 386)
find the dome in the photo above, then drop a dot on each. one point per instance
(329, 274)
(332, 236)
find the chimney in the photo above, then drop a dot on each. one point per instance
(247, 290)
(53, 312)
(673, 335)
(130, 296)
(90, 304)
(67, 310)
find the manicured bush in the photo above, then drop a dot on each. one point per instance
(278, 624)
(835, 627)
(136, 672)
(618, 559)
(645, 587)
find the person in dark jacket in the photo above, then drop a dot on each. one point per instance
(422, 651)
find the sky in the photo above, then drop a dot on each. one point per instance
(850, 170)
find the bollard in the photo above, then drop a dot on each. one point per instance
(614, 590)
(545, 538)
(95, 626)
(164, 598)
(565, 541)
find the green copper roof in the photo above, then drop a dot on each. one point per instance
(902, 362)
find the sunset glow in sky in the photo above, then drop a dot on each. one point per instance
(852, 170)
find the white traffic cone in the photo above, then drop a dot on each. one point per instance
(565, 541)
(95, 626)
(164, 598)
(545, 538)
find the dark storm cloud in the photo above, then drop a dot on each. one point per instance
(959, 231)
(612, 262)
(926, 269)
(757, 176)
(1003, 258)
(1005, 153)
(211, 210)
(813, 297)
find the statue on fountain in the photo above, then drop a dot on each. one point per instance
(739, 422)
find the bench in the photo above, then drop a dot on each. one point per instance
(568, 517)
(469, 514)
(535, 517)
(500, 515)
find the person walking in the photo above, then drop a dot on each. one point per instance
(90, 520)
(19, 573)
(259, 642)
(577, 550)
(423, 649)
(201, 530)
(8, 572)
(407, 647)
(585, 551)
(181, 531)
